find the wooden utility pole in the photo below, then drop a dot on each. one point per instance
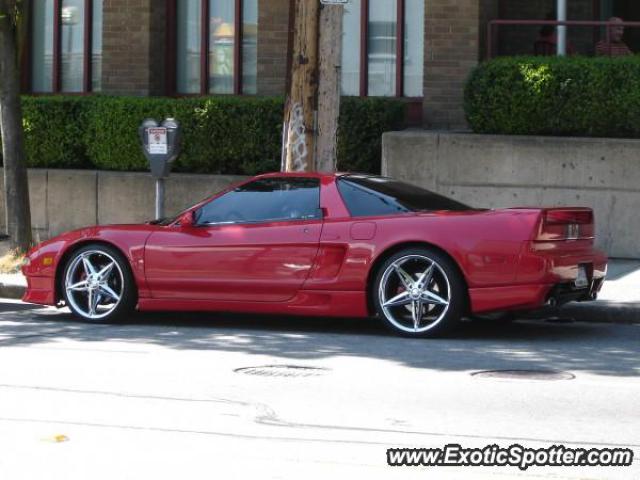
(329, 86)
(13, 18)
(300, 110)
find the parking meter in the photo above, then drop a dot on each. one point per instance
(161, 146)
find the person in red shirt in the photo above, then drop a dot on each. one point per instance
(617, 47)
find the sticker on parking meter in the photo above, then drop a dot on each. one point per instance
(157, 141)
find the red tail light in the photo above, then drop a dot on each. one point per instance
(559, 224)
(568, 216)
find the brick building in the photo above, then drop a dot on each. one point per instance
(420, 50)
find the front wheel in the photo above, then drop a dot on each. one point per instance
(98, 285)
(419, 292)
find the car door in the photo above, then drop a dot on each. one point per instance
(256, 243)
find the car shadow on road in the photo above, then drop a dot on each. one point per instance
(480, 345)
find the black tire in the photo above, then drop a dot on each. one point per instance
(120, 281)
(446, 283)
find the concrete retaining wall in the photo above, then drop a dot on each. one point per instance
(66, 199)
(505, 171)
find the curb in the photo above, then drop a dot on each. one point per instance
(603, 312)
(15, 292)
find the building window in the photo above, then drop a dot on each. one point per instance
(216, 43)
(66, 46)
(383, 48)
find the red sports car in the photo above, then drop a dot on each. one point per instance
(343, 245)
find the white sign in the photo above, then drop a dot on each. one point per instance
(334, 2)
(157, 140)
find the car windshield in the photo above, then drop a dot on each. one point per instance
(374, 195)
(164, 221)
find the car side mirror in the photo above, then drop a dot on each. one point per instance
(186, 219)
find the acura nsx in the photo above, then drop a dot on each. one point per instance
(346, 245)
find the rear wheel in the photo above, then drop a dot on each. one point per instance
(98, 285)
(418, 292)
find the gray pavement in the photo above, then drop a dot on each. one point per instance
(161, 397)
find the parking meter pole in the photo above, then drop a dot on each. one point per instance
(159, 198)
(161, 146)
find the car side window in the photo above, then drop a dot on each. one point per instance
(372, 195)
(264, 200)
(364, 202)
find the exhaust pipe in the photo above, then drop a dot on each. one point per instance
(552, 302)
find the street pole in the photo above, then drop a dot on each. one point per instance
(562, 30)
(301, 105)
(329, 86)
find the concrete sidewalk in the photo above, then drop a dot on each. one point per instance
(619, 300)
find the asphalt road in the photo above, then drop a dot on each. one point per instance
(162, 397)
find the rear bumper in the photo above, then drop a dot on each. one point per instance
(559, 267)
(544, 279)
(567, 292)
(527, 297)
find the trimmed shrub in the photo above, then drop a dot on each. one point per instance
(579, 96)
(362, 123)
(221, 134)
(53, 129)
(226, 135)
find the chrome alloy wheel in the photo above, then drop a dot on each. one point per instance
(94, 284)
(414, 294)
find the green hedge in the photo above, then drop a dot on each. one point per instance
(229, 135)
(53, 131)
(362, 123)
(578, 96)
